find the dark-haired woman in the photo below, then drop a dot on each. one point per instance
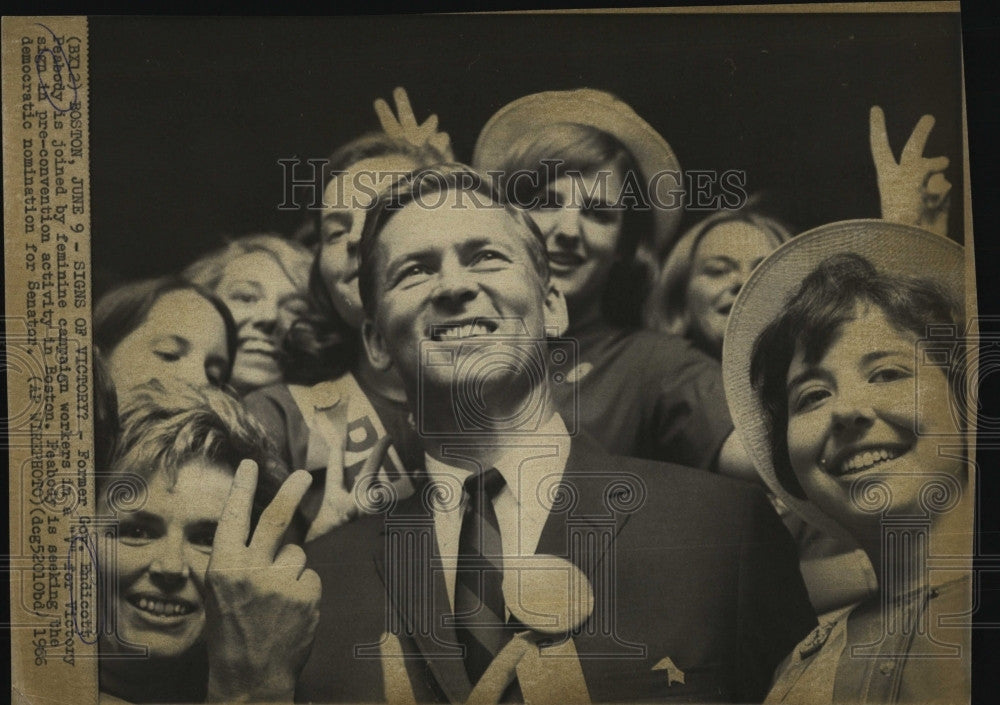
(164, 329)
(176, 453)
(853, 428)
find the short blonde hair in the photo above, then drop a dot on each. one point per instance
(166, 424)
(666, 307)
(293, 258)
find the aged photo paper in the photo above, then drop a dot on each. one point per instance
(136, 149)
(49, 426)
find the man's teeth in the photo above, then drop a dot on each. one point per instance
(867, 459)
(466, 331)
(163, 607)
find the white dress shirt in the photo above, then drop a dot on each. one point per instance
(531, 467)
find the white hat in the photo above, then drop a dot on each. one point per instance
(890, 247)
(601, 110)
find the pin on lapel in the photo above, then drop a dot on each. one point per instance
(816, 639)
(324, 395)
(551, 597)
(578, 372)
(674, 674)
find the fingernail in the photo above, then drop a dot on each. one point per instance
(246, 475)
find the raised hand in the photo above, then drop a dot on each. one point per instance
(403, 125)
(340, 505)
(262, 603)
(913, 190)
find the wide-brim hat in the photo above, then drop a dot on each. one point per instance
(901, 250)
(525, 116)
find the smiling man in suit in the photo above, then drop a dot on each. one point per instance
(692, 587)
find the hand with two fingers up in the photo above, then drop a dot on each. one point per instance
(403, 125)
(913, 190)
(262, 603)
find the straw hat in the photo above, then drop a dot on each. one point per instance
(899, 249)
(525, 116)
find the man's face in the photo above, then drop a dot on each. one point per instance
(454, 275)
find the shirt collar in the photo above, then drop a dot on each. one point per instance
(552, 435)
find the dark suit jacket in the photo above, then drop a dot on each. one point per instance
(684, 564)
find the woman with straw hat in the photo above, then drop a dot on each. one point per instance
(590, 171)
(844, 369)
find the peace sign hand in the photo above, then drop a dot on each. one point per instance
(913, 190)
(262, 603)
(405, 126)
(340, 505)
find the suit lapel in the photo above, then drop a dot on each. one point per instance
(591, 509)
(410, 567)
(599, 500)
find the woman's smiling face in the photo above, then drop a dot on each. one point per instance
(582, 225)
(161, 555)
(183, 337)
(855, 415)
(264, 302)
(723, 260)
(347, 198)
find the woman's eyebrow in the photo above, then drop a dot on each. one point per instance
(725, 259)
(294, 296)
(252, 283)
(602, 202)
(877, 355)
(342, 218)
(182, 343)
(144, 517)
(198, 524)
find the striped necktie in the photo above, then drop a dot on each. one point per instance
(480, 613)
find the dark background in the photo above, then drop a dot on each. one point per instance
(191, 115)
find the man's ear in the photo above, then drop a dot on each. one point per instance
(556, 314)
(375, 346)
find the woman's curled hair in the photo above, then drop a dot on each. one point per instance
(164, 425)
